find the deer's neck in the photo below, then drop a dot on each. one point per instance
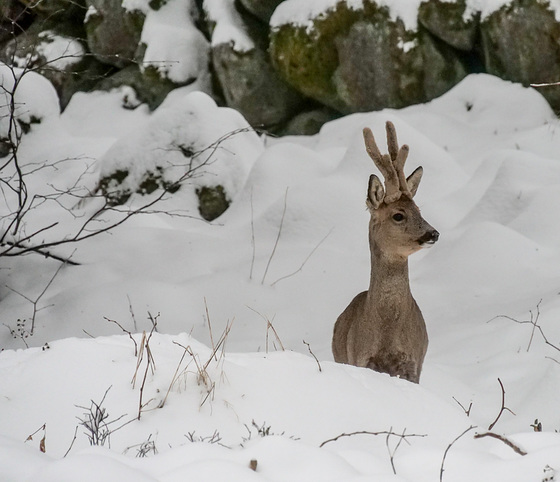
(389, 284)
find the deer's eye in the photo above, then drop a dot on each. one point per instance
(398, 217)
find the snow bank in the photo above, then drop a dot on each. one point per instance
(279, 267)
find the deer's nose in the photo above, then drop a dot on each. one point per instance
(429, 237)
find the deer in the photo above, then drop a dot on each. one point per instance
(383, 328)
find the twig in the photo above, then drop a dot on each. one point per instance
(253, 245)
(508, 442)
(43, 252)
(35, 302)
(209, 324)
(533, 321)
(42, 442)
(365, 432)
(132, 314)
(269, 326)
(175, 375)
(503, 407)
(466, 410)
(125, 331)
(305, 260)
(394, 451)
(71, 443)
(545, 84)
(150, 362)
(313, 355)
(277, 237)
(441, 470)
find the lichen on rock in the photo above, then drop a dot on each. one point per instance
(361, 59)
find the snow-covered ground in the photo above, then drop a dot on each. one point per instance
(274, 271)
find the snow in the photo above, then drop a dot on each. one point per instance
(175, 47)
(229, 27)
(34, 100)
(59, 52)
(491, 186)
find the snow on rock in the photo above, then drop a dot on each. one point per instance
(228, 26)
(59, 52)
(193, 134)
(35, 99)
(175, 48)
(300, 13)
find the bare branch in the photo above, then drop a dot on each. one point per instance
(508, 442)
(313, 355)
(503, 407)
(365, 432)
(441, 470)
(277, 237)
(305, 260)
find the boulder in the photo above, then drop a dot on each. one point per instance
(14, 17)
(149, 89)
(363, 59)
(198, 152)
(308, 123)
(251, 85)
(454, 22)
(521, 43)
(57, 9)
(262, 9)
(54, 50)
(243, 69)
(113, 33)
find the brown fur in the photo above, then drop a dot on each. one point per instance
(383, 328)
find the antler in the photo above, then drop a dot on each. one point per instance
(391, 165)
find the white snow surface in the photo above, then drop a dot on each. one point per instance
(491, 186)
(175, 47)
(229, 27)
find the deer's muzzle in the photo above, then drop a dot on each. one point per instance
(429, 238)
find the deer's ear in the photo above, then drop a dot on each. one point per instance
(376, 193)
(413, 180)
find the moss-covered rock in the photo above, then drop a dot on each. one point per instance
(521, 42)
(212, 202)
(243, 70)
(113, 33)
(251, 85)
(114, 187)
(360, 60)
(454, 22)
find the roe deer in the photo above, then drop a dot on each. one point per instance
(383, 328)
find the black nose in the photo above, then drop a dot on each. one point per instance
(430, 237)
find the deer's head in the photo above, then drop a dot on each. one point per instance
(397, 228)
